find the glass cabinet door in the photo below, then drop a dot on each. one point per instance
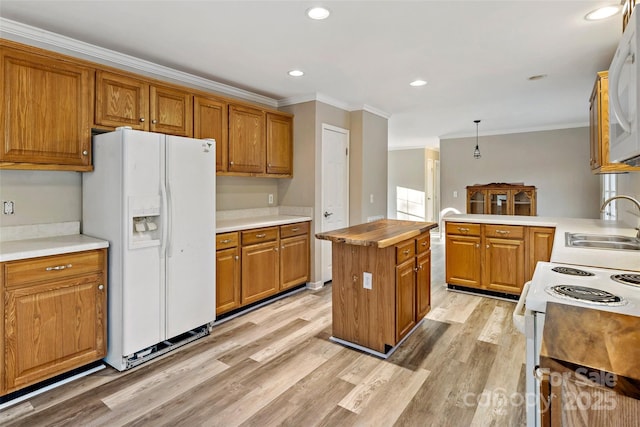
(523, 203)
(476, 202)
(499, 202)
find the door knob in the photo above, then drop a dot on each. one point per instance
(327, 214)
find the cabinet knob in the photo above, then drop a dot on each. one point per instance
(275, 249)
(237, 257)
(85, 152)
(487, 246)
(416, 269)
(141, 119)
(231, 163)
(154, 121)
(406, 252)
(100, 287)
(477, 245)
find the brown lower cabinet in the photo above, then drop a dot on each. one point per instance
(495, 257)
(54, 316)
(380, 317)
(254, 264)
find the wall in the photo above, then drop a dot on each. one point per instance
(233, 192)
(556, 162)
(629, 184)
(367, 166)
(406, 169)
(41, 197)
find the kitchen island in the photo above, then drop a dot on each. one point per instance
(381, 282)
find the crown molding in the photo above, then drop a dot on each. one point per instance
(521, 130)
(325, 99)
(27, 34)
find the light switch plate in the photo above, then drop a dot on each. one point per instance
(7, 207)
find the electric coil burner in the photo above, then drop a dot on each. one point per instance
(586, 295)
(627, 279)
(571, 271)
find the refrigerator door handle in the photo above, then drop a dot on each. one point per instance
(165, 222)
(169, 221)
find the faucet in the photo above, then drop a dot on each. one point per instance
(634, 201)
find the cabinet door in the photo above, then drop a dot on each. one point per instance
(279, 144)
(260, 271)
(52, 328)
(423, 285)
(246, 140)
(46, 111)
(504, 265)
(539, 247)
(227, 280)
(210, 121)
(499, 202)
(121, 101)
(476, 201)
(294, 261)
(595, 131)
(463, 260)
(171, 111)
(405, 298)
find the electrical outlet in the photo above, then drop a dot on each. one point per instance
(270, 199)
(8, 207)
(455, 194)
(367, 280)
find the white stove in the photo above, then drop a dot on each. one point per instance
(591, 287)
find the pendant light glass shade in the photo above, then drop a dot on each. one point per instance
(476, 152)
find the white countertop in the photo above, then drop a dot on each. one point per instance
(605, 258)
(44, 246)
(236, 224)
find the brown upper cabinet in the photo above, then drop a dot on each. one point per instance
(45, 111)
(123, 100)
(246, 139)
(210, 120)
(279, 144)
(599, 128)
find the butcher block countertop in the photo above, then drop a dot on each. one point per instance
(381, 234)
(595, 343)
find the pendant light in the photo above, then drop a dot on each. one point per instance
(476, 152)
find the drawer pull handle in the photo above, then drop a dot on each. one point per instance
(59, 267)
(424, 243)
(463, 229)
(261, 235)
(295, 229)
(406, 252)
(225, 241)
(502, 231)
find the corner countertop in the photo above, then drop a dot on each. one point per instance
(560, 253)
(237, 224)
(382, 233)
(601, 344)
(44, 246)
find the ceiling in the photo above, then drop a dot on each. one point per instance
(476, 55)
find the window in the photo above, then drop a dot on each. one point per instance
(609, 189)
(410, 204)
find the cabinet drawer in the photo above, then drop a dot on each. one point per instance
(405, 251)
(259, 235)
(52, 267)
(504, 231)
(294, 229)
(423, 242)
(464, 228)
(226, 240)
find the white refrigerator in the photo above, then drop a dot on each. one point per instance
(152, 196)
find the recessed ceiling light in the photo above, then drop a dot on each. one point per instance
(417, 83)
(602, 13)
(296, 73)
(537, 77)
(318, 13)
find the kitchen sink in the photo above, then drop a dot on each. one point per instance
(602, 241)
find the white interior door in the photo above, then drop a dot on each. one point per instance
(430, 187)
(436, 191)
(335, 188)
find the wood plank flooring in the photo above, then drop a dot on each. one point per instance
(276, 366)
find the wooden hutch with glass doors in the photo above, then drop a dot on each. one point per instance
(501, 199)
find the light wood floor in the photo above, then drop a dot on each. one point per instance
(276, 366)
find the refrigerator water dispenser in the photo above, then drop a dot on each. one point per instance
(144, 221)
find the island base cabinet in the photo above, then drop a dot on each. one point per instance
(423, 285)
(54, 316)
(405, 299)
